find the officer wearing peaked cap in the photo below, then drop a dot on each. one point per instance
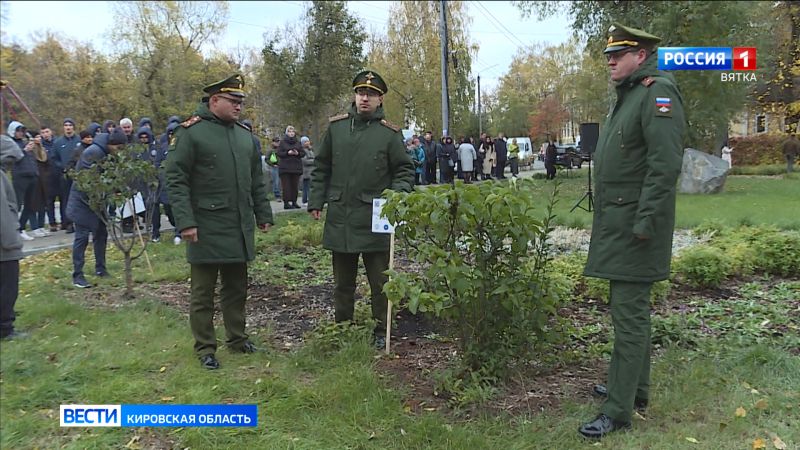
(217, 191)
(637, 162)
(360, 156)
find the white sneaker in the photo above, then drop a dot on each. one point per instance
(25, 236)
(39, 232)
(177, 240)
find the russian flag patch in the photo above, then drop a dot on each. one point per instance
(663, 105)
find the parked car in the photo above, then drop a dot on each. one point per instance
(568, 156)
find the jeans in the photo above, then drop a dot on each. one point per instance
(306, 189)
(25, 189)
(9, 290)
(276, 181)
(100, 236)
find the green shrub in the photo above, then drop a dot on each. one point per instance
(703, 266)
(758, 149)
(484, 256)
(778, 253)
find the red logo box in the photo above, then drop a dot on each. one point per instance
(744, 58)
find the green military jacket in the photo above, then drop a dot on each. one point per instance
(637, 163)
(359, 158)
(214, 183)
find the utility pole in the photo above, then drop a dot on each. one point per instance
(480, 122)
(445, 97)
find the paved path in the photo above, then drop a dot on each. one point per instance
(61, 239)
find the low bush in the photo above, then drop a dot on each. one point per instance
(778, 253)
(703, 266)
(758, 150)
(294, 235)
(763, 170)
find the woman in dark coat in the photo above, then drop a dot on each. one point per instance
(290, 167)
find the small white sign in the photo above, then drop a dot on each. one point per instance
(380, 224)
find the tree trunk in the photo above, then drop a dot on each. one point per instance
(128, 276)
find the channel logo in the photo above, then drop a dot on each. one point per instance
(707, 58)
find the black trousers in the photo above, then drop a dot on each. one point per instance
(345, 269)
(501, 168)
(9, 290)
(430, 172)
(290, 184)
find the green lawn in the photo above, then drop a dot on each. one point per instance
(93, 347)
(744, 201)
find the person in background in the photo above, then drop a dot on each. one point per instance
(447, 158)
(419, 162)
(726, 154)
(95, 128)
(290, 165)
(53, 179)
(308, 167)
(501, 153)
(467, 155)
(791, 149)
(550, 155)
(146, 122)
(87, 222)
(127, 127)
(487, 150)
(513, 157)
(10, 242)
(431, 151)
(39, 203)
(161, 198)
(272, 162)
(25, 176)
(163, 140)
(63, 149)
(108, 126)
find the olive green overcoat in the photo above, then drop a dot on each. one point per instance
(637, 163)
(214, 182)
(358, 159)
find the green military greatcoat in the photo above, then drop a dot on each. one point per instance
(637, 163)
(215, 183)
(359, 158)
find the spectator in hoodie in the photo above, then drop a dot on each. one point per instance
(290, 167)
(163, 140)
(54, 178)
(308, 167)
(447, 160)
(24, 175)
(95, 129)
(144, 149)
(127, 127)
(10, 242)
(86, 220)
(161, 197)
(108, 126)
(145, 122)
(62, 155)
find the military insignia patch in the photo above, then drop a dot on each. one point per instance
(663, 106)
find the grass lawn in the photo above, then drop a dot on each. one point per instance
(745, 201)
(714, 354)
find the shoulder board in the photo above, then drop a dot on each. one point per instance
(388, 124)
(190, 121)
(338, 117)
(647, 81)
(243, 126)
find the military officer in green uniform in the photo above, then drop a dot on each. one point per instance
(218, 196)
(361, 155)
(637, 163)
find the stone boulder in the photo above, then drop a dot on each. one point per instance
(702, 173)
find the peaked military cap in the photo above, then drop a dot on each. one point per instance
(621, 37)
(372, 80)
(232, 85)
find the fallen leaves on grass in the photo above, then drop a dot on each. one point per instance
(741, 412)
(762, 404)
(692, 440)
(777, 442)
(759, 443)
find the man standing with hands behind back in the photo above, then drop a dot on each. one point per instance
(637, 163)
(218, 196)
(361, 155)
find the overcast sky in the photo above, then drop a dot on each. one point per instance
(492, 24)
